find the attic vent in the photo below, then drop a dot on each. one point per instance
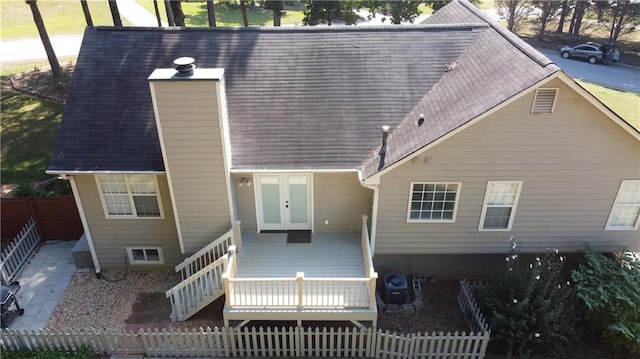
(544, 101)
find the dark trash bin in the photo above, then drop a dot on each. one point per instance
(395, 289)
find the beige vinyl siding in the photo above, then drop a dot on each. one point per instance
(340, 199)
(245, 202)
(112, 236)
(193, 148)
(571, 164)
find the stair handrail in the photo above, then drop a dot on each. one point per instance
(180, 303)
(210, 253)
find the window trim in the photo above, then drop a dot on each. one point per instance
(553, 104)
(133, 261)
(512, 216)
(608, 226)
(455, 204)
(134, 215)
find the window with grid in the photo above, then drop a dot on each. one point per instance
(433, 202)
(145, 255)
(625, 213)
(134, 196)
(500, 203)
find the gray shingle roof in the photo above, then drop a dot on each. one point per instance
(298, 98)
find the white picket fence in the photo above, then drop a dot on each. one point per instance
(469, 306)
(245, 342)
(16, 255)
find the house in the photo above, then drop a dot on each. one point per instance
(399, 149)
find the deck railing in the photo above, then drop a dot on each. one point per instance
(301, 292)
(212, 252)
(367, 254)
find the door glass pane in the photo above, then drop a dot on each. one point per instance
(298, 199)
(270, 200)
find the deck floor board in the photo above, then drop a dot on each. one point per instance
(329, 255)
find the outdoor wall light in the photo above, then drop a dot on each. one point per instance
(244, 181)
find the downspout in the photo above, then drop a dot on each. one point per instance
(85, 223)
(374, 210)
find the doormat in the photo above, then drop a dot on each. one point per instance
(298, 236)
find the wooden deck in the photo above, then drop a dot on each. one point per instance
(329, 255)
(331, 278)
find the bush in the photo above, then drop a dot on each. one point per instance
(530, 309)
(610, 292)
(83, 352)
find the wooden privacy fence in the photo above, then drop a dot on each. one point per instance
(15, 255)
(56, 217)
(245, 342)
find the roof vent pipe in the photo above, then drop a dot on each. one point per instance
(383, 149)
(184, 65)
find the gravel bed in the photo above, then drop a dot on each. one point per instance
(138, 301)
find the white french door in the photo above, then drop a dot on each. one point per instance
(284, 201)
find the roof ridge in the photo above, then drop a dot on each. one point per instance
(507, 35)
(412, 27)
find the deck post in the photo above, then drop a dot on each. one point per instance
(237, 234)
(373, 279)
(300, 281)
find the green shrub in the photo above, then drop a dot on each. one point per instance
(530, 309)
(609, 289)
(83, 352)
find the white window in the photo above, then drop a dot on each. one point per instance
(129, 196)
(626, 208)
(433, 202)
(145, 255)
(544, 101)
(500, 202)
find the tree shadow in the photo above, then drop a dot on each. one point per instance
(228, 14)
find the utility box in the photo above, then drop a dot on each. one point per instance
(395, 289)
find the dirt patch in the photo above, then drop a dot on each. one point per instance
(42, 83)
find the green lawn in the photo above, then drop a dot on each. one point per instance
(626, 104)
(29, 127)
(60, 17)
(227, 14)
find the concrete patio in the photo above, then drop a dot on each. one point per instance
(42, 283)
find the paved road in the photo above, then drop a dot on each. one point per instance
(14, 51)
(621, 77)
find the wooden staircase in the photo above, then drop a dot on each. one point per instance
(202, 276)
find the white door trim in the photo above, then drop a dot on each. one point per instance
(283, 201)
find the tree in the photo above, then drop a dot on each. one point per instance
(564, 11)
(403, 10)
(87, 13)
(178, 14)
(620, 16)
(211, 13)
(548, 11)
(514, 11)
(276, 7)
(115, 14)
(167, 8)
(243, 9)
(318, 12)
(56, 70)
(576, 20)
(157, 11)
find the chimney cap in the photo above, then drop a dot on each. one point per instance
(184, 65)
